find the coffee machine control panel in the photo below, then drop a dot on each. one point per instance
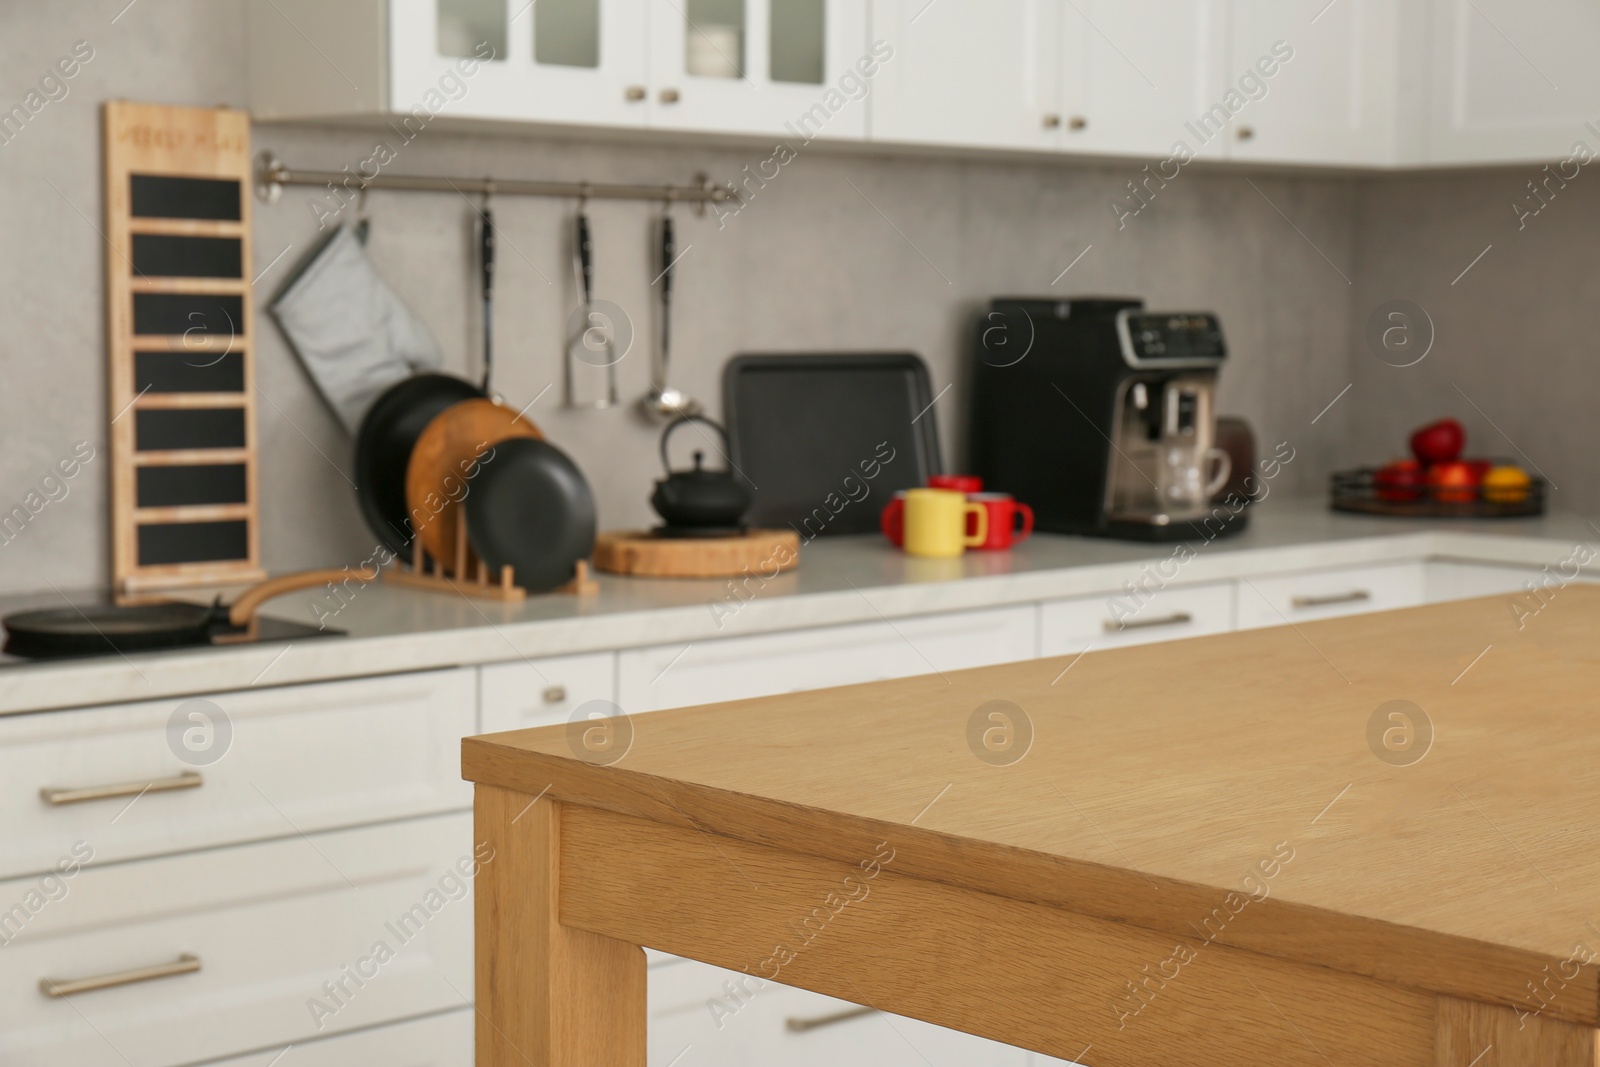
(1162, 339)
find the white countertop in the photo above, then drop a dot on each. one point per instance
(839, 580)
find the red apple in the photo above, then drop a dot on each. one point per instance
(1454, 482)
(1400, 480)
(1439, 442)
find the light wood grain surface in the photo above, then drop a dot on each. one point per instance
(1161, 779)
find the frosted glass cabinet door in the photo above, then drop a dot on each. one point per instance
(1513, 80)
(562, 61)
(963, 73)
(789, 68)
(1139, 75)
(1334, 100)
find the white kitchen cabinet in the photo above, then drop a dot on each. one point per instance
(696, 1022)
(1513, 81)
(791, 68)
(671, 676)
(442, 1040)
(1154, 613)
(256, 763)
(544, 692)
(258, 930)
(980, 75)
(1136, 73)
(1323, 594)
(1336, 100)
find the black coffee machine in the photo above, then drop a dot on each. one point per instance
(1101, 416)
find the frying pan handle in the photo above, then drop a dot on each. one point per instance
(486, 252)
(243, 610)
(683, 420)
(586, 257)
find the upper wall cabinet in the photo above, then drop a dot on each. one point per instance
(1332, 92)
(1140, 76)
(975, 74)
(787, 68)
(796, 68)
(1512, 80)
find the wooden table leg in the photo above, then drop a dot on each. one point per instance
(1484, 1035)
(547, 995)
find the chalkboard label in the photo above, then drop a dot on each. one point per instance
(170, 487)
(193, 315)
(161, 255)
(159, 197)
(165, 429)
(193, 542)
(188, 372)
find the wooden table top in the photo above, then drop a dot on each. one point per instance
(1230, 788)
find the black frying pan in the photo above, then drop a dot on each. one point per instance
(388, 432)
(140, 627)
(530, 508)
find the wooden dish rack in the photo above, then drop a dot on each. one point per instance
(470, 576)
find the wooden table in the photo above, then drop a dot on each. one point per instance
(1218, 851)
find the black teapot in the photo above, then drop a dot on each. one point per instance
(699, 502)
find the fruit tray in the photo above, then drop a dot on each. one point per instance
(1357, 490)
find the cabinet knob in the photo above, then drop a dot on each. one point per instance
(1247, 133)
(670, 96)
(1077, 122)
(1052, 121)
(634, 93)
(555, 694)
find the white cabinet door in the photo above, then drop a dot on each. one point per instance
(1334, 99)
(1296, 598)
(231, 767)
(795, 69)
(1068, 627)
(443, 1040)
(272, 943)
(672, 676)
(1138, 73)
(1513, 80)
(704, 1016)
(544, 692)
(986, 75)
(561, 61)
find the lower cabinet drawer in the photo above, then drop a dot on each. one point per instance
(443, 1040)
(1294, 598)
(672, 676)
(1067, 627)
(250, 947)
(701, 1017)
(544, 692)
(230, 767)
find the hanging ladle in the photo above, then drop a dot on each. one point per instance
(664, 401)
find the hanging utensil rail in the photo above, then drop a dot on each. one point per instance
(272, 174)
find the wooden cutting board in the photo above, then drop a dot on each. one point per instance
(641, 553)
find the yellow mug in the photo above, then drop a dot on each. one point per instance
(936, 523)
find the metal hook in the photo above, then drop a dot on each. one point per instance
(363, 220)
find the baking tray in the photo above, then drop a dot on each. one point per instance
(800, 424)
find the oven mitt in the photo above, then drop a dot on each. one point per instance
(352, 332)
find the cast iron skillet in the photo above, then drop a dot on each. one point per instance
(139, 627)
(388, 432)
(530, 508)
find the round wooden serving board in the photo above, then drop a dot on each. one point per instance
(640, 553)
(451, 446)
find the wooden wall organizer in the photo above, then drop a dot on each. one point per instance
(180, 348)
(467, 575)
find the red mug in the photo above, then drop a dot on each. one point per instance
(1010, 522)
(893, 520)
(961, 483)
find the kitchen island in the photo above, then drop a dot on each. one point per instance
(1359, 840)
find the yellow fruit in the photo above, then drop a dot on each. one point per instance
(1506, 485)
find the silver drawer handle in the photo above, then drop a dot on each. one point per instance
(816, 1022)
(186, 780)
(1354, 596)
(187, 963)
(1175, 619)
